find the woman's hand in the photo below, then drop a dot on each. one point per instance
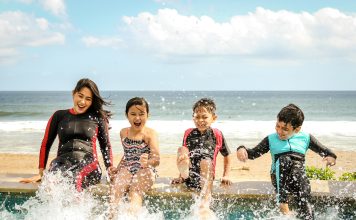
(112, 171)
(33, 179)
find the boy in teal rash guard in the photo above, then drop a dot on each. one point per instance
(288, 147)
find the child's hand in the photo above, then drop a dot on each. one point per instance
(144, 160)
(226, 181)
(330, 161)
(182, 157)
(178, 180)
(242, 154)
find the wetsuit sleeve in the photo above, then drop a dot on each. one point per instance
(225, 150)
(104, 141)
(47, 141)
(185, 137)
(259, 150)
(319, 148)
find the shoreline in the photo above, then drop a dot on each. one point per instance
(252, 170)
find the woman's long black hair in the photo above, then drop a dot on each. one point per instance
(98, 102)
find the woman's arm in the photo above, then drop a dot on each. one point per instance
(104, 141)
(47, 141)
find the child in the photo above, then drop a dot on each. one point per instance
(135, 173)
(196, 159)
(288, 147)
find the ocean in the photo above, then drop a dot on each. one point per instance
(244, 117)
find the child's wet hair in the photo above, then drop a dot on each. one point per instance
(206, 103)
(291, 114)
(136, 101)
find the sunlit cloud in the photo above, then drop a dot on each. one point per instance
(262, 33)
(18, 29)
(56, 7)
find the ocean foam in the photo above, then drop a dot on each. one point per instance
(27, 135)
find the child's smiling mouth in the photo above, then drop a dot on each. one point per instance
(138, 124)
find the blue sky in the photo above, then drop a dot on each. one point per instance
(178, 45)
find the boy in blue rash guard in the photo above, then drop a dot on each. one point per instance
(288, 146)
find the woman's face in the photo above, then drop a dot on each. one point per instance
(82, 100)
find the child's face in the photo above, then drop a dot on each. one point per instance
(203, 119)
(137, 116)
(285, 131)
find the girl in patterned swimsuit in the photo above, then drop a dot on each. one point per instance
(135, 173)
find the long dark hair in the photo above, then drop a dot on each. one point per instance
(98, 102)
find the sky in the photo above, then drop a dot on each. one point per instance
(178, 45)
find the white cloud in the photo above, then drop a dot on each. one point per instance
(19, 30)
(57, 7)
(112, 42)
(263, 33)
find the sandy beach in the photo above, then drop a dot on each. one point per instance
(257, 170)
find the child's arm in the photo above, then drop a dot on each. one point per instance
(226, 152)
(326, 153)
(225, 180)
(243, 153)
(153, 159)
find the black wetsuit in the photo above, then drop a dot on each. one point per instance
(288, 167)
(203, 146)
(77, 146)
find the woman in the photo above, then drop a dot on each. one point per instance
(78, 129)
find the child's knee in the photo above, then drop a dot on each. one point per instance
(206, 166)
(206, 169)
(183, 150)
(206, 163)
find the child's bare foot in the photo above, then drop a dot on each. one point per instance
(206, 213)
(284, 208)
(178, 180)
(183, 162)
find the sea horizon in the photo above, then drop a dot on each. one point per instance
(244, 117)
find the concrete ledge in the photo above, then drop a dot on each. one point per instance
(341, 190)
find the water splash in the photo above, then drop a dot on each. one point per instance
(57, 198)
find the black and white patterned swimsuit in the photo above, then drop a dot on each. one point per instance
(133, 149)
